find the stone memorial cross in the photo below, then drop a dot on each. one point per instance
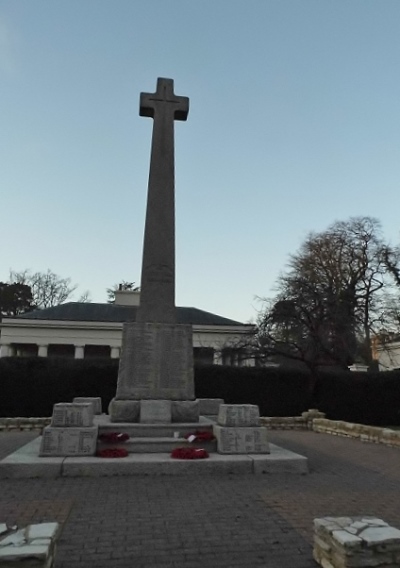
(157, 297)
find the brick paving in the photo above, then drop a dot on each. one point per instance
(241, 521)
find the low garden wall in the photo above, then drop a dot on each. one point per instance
(362, 432)
(310, 420)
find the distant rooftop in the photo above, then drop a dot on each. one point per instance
(88, 311)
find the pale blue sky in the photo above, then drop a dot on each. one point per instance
(294, 123)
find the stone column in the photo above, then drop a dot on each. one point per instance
(42, 350)
(5, 350)
(79, 351)
(217, 357)
(114, 352)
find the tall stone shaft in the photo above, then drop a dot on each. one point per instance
(157, 298)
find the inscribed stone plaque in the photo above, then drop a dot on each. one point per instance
(69, 441)
(95, 400)
(241, 440)
(156, 362)
(238, 415)
(67, 414)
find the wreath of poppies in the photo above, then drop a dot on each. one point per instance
(189, 454)
(200, 436)
(113, 437)
(112, 453)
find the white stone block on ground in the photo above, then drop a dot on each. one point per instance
(239, 415)
(155, 411)
(124, 410)
(248, 440)
(348, 542)
(209, 406)
(95, 400)
(68, 441)
(30, 547)
(70, 414)
(185, 411)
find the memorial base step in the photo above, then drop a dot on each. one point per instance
(137, 430)
(146, 445)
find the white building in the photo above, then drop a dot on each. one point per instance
(389, 355)
(84, 330)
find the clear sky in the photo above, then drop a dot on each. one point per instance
(294, 123)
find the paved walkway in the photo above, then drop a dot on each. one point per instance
(235, 521)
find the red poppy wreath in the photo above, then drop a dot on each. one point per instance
(189, 454)
(112, 453)
(113, 437)
(200, 436)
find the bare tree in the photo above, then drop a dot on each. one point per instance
(48, 289)
(333, 297)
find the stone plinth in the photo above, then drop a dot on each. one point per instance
(66, 414)
(247, 440)
(184, 411)
(33, 546)
(241, 415)
(95, 400)
(79, 441)
(124, 410)
(155, 411)
(156, 362)
(355, 542)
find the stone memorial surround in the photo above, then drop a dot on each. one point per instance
(71, 432)
(238, 430)
(355, 542)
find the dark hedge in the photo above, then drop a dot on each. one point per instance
(30, 387)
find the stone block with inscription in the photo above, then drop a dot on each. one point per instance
(95, 400)
(69, 414)
(124, 410)
(70, 441)
(156, 362)
(247, 440)
(239, 415)
(155, 411)
(185, 411)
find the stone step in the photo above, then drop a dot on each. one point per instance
(148, 445)
(137, 430)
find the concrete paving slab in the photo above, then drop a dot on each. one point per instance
(279, 460)
(25, 463)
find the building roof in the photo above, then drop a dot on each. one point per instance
(88, 311)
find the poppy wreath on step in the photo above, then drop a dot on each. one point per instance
(189, 454)
(200, 436)
(113, 437)
(112, 453)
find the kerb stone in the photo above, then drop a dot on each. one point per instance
(71, 414)
(155, 411)
(247, 440)
(95, 400)
(241, 415)
(68, 441)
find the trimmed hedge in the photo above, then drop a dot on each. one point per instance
(31, 386)
(364, 398)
